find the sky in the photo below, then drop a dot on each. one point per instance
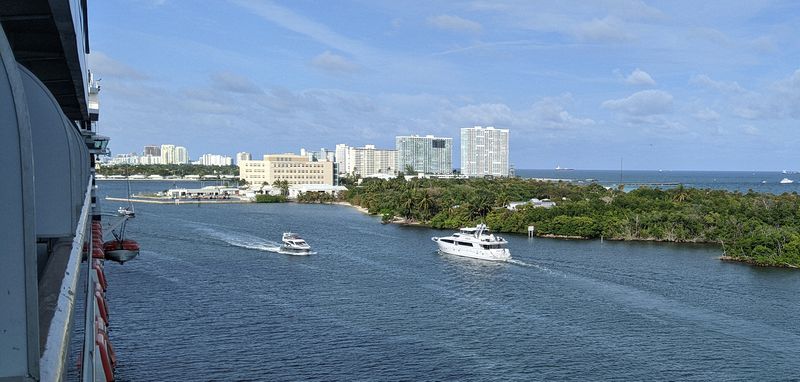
(674, 85)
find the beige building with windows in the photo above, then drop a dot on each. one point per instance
(295, 169)
(368, 161)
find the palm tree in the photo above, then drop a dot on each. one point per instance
(681, 194)
(425, 204)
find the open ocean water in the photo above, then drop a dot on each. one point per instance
(742, 181)
(209, 299)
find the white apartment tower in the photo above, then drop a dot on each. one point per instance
(428, 154)
(167, 154)
(368, 161)
(484, 151)
(341, 157)
(181, 155)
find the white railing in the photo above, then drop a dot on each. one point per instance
(54, 358)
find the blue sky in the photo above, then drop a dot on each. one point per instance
(664, 85)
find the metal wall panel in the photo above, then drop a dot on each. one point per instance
(19, 317)
(53, 151)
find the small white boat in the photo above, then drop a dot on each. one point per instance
(293, 243)
(126, 211)
(475, 242)
(786, 181)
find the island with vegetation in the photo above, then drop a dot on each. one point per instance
(757, 228)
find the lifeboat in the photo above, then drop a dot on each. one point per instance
(121, 250)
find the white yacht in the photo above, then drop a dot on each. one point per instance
(475, 242)
(293, 243)
(786, 181)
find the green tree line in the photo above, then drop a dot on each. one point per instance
(762, 229)
(168, 169)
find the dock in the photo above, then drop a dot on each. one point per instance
(177, 201)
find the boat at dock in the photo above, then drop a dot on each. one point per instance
(474, 242)
(294, 244)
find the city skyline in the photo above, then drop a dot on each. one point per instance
(664, 85)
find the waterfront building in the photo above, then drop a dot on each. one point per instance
(152, 150)
(215, 160)
(428, 154)
(293, 168)
(181, 155)
(123, 159)
(484, 151)
(167, 154)
(340, 158)
(243, 156)
(368, 161)
(150, 159)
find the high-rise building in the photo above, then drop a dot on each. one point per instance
(215, 160)
(428, 154)
(341, 157)
(367, 161)
(484, 151)
(293, 168)
(152, 150)
(167, 154)
(243, 156)
(181, 155)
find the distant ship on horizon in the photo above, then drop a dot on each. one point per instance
(559, 168)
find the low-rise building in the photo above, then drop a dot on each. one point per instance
(292, 168)
(536, 203)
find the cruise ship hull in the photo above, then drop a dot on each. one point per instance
(499, 254)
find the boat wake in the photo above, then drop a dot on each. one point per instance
(536, 266)
(242, 240)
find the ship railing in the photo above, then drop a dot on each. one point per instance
(53, 361)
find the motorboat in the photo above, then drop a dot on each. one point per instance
(293, 243)
(475, 242)
(786, 181)
(126, 211)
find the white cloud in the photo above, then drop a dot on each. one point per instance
(104, 66)
(706, 115)
(234, 83)
(455, 24)
(333, 63)
(643, 103)
(722, 86)
(483, 114)
(549, 113)
(787, 95)
(640, 77)
(299, 24)
(608, 29)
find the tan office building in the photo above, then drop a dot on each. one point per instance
(295, 169)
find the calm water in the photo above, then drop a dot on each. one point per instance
(208, 300)
(723, 180)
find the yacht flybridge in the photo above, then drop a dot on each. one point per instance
(294, 244)
(475, 242)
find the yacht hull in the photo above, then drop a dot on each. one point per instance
(294, 251)
(500, 254)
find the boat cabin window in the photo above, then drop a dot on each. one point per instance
(464, 244)
(492, 246)
(446, 241)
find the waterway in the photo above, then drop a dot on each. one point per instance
(209, 299)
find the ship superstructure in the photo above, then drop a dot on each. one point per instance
(51, 256)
